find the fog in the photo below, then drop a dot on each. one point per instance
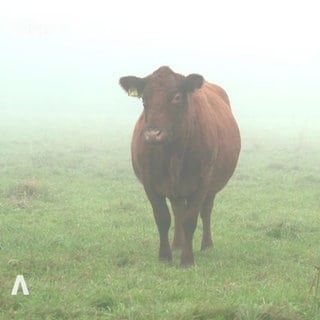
(68, 57)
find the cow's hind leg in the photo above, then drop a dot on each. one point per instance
(205, 212)
(163, 221)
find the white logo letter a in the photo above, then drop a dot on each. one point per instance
(20, 281)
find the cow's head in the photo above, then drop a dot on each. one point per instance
(164, 95)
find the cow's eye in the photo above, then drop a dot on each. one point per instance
(176, 98)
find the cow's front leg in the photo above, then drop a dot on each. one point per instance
(189, 224)
(179, 209)
(163, 221)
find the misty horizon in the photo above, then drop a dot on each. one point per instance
(54, 61)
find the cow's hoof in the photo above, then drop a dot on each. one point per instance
(165, 257)
(187, 262)
(185, 265)
(206, 245)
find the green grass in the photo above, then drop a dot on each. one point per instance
(76, 223)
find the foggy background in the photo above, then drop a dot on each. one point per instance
(67, 56)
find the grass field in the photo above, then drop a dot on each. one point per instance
(76, 224)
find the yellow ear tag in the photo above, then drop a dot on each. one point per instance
(133, 92)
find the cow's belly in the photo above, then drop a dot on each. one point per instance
(173, 187)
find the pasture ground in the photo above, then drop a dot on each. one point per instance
(76, 224)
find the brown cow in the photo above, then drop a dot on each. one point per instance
(185, 147)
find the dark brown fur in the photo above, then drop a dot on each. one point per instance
(185, 147)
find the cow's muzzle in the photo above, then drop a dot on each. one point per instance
(154, 136)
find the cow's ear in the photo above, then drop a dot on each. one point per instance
(192, 82)
(133, 85)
